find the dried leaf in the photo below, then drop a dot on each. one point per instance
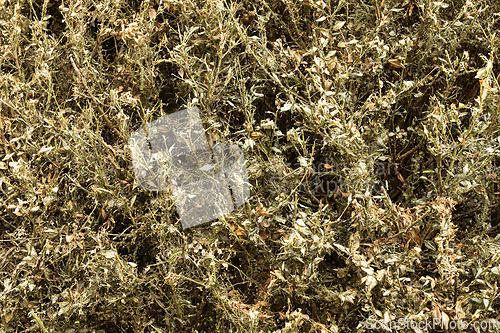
(460, 314)
(152, 13)
(45, 149)
(445, 320)
(14, 165)
(436, 314)
(396, 63)
(401, 179)
(278, 274)
(109, 254)
(47, 200)
(238, 230)
(257, 135)
(263, 212)
(264, 234)
(355, 242)
(338, 25)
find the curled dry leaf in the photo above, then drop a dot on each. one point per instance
(396, 63)
(256, 135)
(445, 320)
(263, 212)
(264, 233)
(435, 313)
(238, 230)
(401, 179)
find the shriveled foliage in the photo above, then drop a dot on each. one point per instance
(371, 133)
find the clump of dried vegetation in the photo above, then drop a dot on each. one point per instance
(371, 133)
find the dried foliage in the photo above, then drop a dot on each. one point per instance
(371, 133)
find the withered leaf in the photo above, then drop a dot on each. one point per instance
(256, 135)
(396, 63)
(263, 212)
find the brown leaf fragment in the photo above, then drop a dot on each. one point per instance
(152, 13)
(396, 63)
(401, 179)
(256, 135)
(263, 212)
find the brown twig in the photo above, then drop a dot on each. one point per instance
(411, 151)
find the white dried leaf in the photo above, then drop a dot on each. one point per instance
(14, 165)
(207, 167)
(109, 254)
(45, 149)
(338, 25)
(300, 222)
(303, 162)
(370, 282)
